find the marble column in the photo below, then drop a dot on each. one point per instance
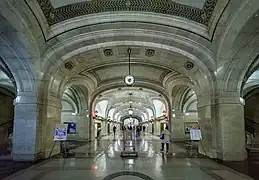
(25, 128)
(157, 128)
(82, 129)
(104, 128)
(177, 126)
(49, 122)
(206, 120)
(230, 129)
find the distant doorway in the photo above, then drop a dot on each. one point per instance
(162, 126)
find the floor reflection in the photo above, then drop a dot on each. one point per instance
(101, 160)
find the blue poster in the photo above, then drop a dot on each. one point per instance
(71, 129)
(60, 132)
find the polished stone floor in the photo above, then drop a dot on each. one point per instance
(104, 163)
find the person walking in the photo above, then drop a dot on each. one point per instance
(99, 133)
(114, 130)
(165, 138)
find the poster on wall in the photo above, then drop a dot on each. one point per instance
(190, 125)
(71, 127)
(60, 132)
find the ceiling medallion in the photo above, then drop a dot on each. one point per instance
(150, 52)
(188, 65)
(108, 52)
(69, 65)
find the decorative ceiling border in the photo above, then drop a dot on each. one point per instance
(56, 15)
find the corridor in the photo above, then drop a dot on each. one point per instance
(104, 163)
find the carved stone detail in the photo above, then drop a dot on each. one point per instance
(56, 15)
(108, 52)
(188, 65)
(150, 52)
(69, 65)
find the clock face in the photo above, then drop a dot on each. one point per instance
(129, 80)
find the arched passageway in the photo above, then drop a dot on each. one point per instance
(65, 63)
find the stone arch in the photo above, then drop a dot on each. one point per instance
(203, 58)
(117, 85)
(77, 95)
(236, 51)
(235, 46)
(16, 53)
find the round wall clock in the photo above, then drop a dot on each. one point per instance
(129, 80)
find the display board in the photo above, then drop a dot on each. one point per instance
(189, 125)
(60, 132)
(195, 134)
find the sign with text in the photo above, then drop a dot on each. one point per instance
(195, 134)
(60, 132)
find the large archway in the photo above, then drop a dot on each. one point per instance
(174, 53)
(112, 106)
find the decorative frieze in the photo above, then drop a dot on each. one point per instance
(56, 15)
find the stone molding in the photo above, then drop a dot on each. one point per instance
(56, 15)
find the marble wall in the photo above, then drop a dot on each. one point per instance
(82, 125)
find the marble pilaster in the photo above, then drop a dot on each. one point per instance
(208, 127)
(177, 126)
(25, 129)
(53, 110)
(104, 128)
(231, 132)
(157, 128)
(82, 124)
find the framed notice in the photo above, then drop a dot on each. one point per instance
(195, 134)
(60, 132)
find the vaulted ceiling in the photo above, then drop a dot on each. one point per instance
(111, 65)
(140, 100)
(59, 10)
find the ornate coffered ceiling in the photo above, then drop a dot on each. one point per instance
(57, 11)
(113, 72)
(110, 65)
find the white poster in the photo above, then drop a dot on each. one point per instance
(195, 134)
(60, 132)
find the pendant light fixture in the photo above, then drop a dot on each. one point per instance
(129, 79)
